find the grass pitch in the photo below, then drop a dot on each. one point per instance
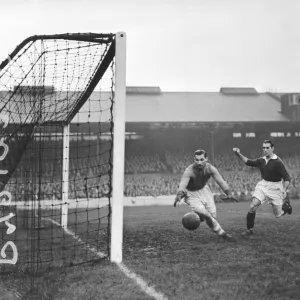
(186, 265)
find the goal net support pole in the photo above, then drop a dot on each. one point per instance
(118, 150)
(65, 176)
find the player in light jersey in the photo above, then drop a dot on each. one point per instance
(196, 193)
(272, 188)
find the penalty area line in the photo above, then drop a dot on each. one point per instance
(144, 286)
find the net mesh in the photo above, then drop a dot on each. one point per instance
(56, 103)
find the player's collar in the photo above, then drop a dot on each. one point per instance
(274, 156)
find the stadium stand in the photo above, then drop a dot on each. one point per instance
(153, 173)
(155, 161)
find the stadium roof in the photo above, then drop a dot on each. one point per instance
(201, 107)
(151, 105)
(238, 91)
(143, 90)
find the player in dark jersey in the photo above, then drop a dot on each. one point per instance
(272, 188)
(196, 193)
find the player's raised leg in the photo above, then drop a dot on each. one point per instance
(277, 210)
(279, 200)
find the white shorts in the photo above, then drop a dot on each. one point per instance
(202, 201)
(269, 191)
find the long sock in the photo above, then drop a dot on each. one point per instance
(215, 226)
(250, 220)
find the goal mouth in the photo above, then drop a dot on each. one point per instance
(57, 103)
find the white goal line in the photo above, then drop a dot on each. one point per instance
(144, 286)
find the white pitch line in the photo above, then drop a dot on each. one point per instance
(141, 283)
(144, 286)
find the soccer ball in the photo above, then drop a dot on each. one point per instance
(191, 221)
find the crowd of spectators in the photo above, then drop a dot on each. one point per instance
(241, 178)
(148, 172)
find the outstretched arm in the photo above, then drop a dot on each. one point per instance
(245, 160)
(238, 153)
(184, 181)
(219, 180)
(181, 192)
(222, 183)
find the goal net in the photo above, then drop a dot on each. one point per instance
(57, 103)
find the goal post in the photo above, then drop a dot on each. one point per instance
(118, 150)
(65, 176)
(118, 154)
